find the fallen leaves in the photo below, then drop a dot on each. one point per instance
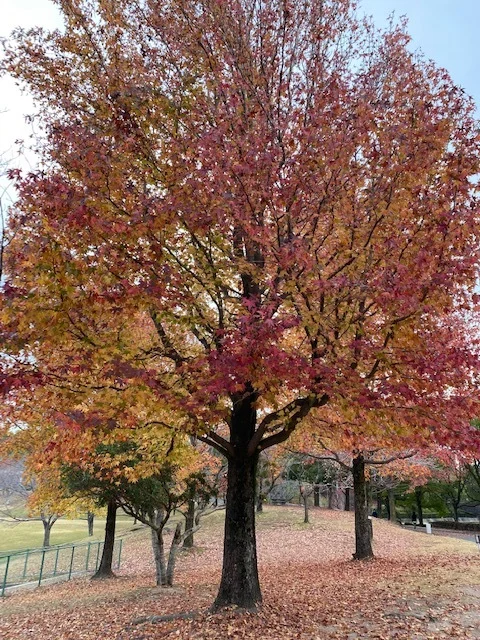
(418, 588)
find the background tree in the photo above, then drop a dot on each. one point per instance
(203, 488)
(26, 498)
(270, 469)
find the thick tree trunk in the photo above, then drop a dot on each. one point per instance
(347, 499)
(105, 568)
(392, 512)
(90, 519)
(172, 556)
(189, 524)
(240, 585)
(363, 542)
(316, 496)
(419, 503)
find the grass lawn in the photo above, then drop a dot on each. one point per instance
(29, 535)
(419, 587)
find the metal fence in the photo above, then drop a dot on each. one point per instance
(59, 562)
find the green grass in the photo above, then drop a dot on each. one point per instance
(29, 535)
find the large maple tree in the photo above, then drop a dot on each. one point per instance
(277, 198)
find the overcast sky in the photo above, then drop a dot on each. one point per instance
(445, 30)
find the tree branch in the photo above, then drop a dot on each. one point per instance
(269, 420)
(391, 459)
(217, 442)
(170, 351)
(303, 408)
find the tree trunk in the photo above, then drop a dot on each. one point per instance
(392, 513)
(330, 496)
(260, 495)
(419, 500)
(158, 548)
(105, 568)
(240, 585)
(47, 528)
(455, 511)
(90, 518)
(189, 524)
(259, 504)
(316, 495)
(172, 556)
(305, 508)
(363, 542)
(347, 498)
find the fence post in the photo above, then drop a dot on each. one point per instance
(88, 556)
(41, 568)
(5, 576)
(56, 562)
(98, 554)
(119, 552)
(71, 563)
(26, 562)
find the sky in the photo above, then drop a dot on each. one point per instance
(445, 30)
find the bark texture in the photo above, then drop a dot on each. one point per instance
(240, 585)
(47, 527)
(158, 548)
(172, 556)
(90, 519)
(189, 524)
(363, 541)
(105, 568)
(305, 508)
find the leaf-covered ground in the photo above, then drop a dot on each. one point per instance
(419, 587)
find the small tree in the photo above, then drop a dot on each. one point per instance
(271, 467)
(201, 488)
(308, 473)
(154, 500)
(38, 495)
(103, 492)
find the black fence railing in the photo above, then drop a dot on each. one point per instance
(59, 562)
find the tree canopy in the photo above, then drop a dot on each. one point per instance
(247, 211)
